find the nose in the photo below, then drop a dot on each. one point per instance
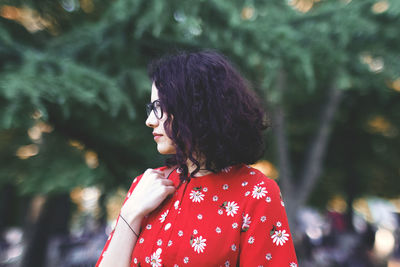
(151, 120)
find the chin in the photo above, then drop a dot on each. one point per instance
(166, 150)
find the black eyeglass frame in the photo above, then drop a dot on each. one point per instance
(153, 107)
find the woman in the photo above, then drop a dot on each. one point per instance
(206, 207)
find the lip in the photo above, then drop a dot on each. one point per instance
(156, 136)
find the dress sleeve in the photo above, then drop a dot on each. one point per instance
(266, 239)
(134, 183)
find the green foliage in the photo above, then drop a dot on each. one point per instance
(44, 78)
(87, 75)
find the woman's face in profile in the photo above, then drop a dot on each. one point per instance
(164, 144)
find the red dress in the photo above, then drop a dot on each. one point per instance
(232, 218)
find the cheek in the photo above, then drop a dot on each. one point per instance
(167, 127)
(169, 144)
(169, 141)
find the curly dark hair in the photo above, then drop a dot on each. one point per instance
(211, 112)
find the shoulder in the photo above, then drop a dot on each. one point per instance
(261, 180)
(254, 177)
(259, 189)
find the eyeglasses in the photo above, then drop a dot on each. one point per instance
(154, 106)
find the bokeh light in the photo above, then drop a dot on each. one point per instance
(266, 168)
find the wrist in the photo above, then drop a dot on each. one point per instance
(130, 227)
(131, 216)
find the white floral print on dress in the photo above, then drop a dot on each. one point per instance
(292, 264)
(246, 222)
(159, 242)
(186, 259)
(220, 212)
(244, 211)
(251, 240)
(227, 169)
(259, 192)
(180, 233)
(155, 258)
(234, 225)
(141, 240)
(280, 237)
(225, 187)
(268, 199)
(199, 243)
(268, 256)
(163, 216)
(247, 193)
(231, 208)
(199, 216)
(196, 196)
(227, 264)
(252, 173)
(148, 227)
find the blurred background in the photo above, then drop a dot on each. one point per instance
(73, 85)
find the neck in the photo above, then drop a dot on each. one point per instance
(192, 167)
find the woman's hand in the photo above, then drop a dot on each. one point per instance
(149, 193)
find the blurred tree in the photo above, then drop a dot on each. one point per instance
(73, 73)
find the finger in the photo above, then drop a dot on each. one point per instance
(149, 170)
(158, 173)
(163, 182)
(169, 190)
(154, 173)
(167, 182)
